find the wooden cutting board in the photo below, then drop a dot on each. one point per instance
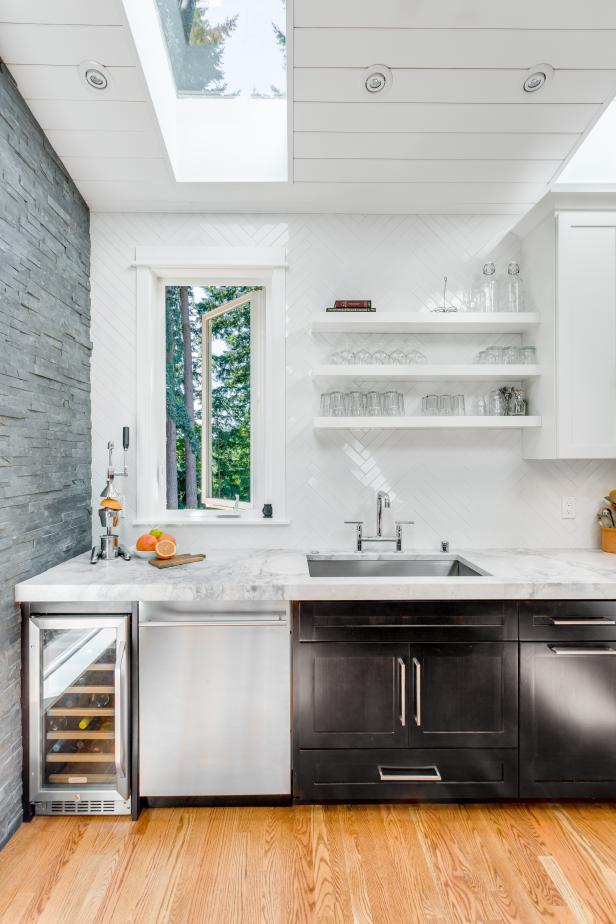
(176, 560)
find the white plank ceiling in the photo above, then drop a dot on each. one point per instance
(456, 132)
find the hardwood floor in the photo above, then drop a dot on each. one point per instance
(430, 864)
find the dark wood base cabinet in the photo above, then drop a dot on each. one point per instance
(419, 701)
(406, 775)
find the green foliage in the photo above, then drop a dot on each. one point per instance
(230, 464)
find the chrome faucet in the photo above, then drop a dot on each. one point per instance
(382, 501)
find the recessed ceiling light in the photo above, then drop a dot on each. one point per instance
(536, 77)
(377, 79)
(94, 76)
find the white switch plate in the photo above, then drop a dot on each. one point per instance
(568, 508)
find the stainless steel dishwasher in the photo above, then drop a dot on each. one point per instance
(214, 699)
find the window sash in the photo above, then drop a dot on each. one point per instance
(254, 300)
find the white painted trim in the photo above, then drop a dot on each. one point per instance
(270, 481)
(174, 519)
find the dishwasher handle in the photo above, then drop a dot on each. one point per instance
(211, 623)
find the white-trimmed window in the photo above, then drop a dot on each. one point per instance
(210, 373)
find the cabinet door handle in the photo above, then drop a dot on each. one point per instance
(589, 621)
(402, 675)
(582, 651)
(410, 774)
(417, 669)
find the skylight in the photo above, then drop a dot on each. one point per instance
(226, 48)
(594, 162)
(216, 73)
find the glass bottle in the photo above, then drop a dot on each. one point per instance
(487, 288)
(514, 289)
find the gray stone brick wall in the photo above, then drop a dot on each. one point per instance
(44, 391)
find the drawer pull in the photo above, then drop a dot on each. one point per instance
(402, 670)
(409, 774)
(582, 651)
(590, 621)
(417, 669)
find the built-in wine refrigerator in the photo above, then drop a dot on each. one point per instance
(78, 718)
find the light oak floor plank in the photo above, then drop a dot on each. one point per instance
(332, 864)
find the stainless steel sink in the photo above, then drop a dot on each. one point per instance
(390, 566)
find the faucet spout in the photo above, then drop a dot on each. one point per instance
(382, 500)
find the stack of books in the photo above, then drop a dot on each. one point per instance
(345, 304)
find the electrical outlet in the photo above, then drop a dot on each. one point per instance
(568, 508)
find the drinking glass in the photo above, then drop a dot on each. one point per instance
(511, 355)
(458, 406)
(494, 354)
(374, 406)
(528, 355)
(381, 358)
(480, 407)
(393, 404)
(363, 357)
(337, 406)
(355, 402)
(429, 405)
(398, 357)
(444, 405)
(416, 356)
(482, 357)
(326, 407)
(497, 403)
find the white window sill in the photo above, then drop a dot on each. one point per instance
(213, 521)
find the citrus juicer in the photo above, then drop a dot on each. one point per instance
(109, 510)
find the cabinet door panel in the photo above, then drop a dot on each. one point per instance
(464, 695)
(568, 720)
(586, 333)
(350, 695)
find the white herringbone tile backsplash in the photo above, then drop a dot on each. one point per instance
(471, 487)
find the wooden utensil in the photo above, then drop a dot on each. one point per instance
(176, 560)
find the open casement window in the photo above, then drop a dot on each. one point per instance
(231, 386)
(211, 373)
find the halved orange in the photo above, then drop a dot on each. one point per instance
(110, 503)
(165, 548)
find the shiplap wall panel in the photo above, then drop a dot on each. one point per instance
(34, 43)
(93, 115)
(438, 145)
(389, 170)
(70, 143)
(472, 488)
(84, 12)
(434, 117)
(49, 81)
(451, 85)
(481, 14)
(442, 48)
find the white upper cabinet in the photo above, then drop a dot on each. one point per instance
(570, 260)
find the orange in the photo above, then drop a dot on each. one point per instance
(146, 543)
(168, 537)
(111, 504)
(165, 548)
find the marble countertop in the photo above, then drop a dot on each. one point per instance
(278, 574)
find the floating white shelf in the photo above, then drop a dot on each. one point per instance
(425, 423)
(424, 322)
(424, 372)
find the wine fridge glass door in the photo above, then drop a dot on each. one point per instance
(78, 707)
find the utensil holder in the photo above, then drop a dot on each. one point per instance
(608, 539)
